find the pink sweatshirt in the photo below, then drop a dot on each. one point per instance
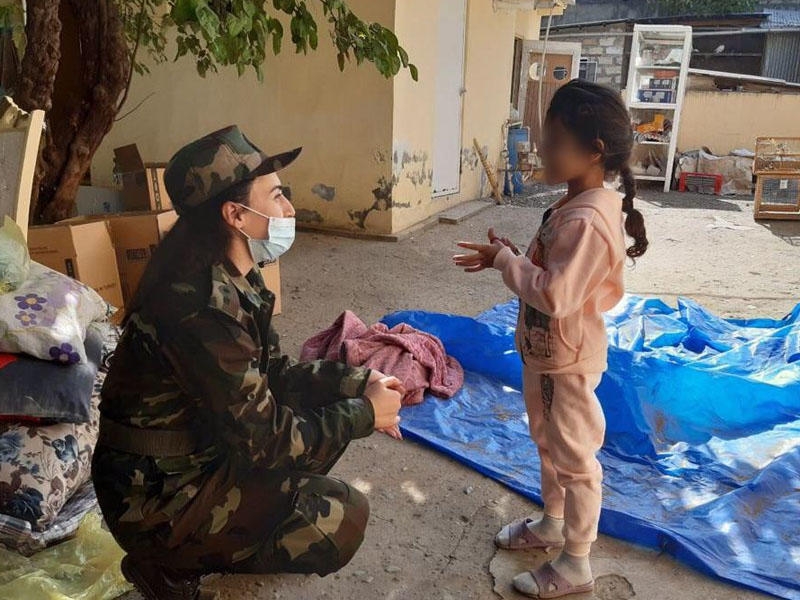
(572, 273)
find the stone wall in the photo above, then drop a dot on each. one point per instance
(610, 48)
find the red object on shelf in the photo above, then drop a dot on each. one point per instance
(702, 183)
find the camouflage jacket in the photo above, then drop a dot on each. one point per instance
(202, 355)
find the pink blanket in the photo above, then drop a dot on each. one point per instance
(416, 358)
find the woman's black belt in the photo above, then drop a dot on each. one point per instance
(147, 442)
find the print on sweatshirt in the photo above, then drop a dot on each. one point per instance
(538, 339)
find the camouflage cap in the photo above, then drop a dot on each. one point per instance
(216, 162)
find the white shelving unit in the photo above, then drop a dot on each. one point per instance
(657, 75)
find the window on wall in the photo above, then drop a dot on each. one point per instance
(588, 70)
(515, 73)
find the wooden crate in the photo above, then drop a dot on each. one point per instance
(777, 171)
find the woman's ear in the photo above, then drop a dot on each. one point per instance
(232, 214)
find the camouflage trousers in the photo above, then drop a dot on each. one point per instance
(323, 530)
(290, 522)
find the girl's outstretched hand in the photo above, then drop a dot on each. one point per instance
(484, 254)
(503, 240)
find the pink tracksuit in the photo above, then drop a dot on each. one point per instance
(572, 273)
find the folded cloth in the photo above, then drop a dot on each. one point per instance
(416, 358)
(32, 389)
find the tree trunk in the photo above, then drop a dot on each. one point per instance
(105, 61)
(88, 89)
(37, 82)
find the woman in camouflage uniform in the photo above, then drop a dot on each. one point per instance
(214, 448)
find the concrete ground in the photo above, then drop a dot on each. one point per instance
(433, 520)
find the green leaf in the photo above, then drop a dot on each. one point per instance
(234, 24)
(182, 48)
(238, 32)
(183, 11)
(313, 40)
(208, 20)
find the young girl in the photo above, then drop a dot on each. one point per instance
(571, 274)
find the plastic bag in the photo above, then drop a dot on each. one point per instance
(15, 262)
(83, 568)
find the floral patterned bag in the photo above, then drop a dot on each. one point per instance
(42, 466)
(47, 316)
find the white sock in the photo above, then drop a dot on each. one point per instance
(548, 528)
(575, 569)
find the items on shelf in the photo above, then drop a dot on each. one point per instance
(656, 131)
(657, 96)
(652, 164)
(662, 54)
(660, 88)
(656, 84)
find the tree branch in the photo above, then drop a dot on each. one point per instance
(139, 28)
(135, 108)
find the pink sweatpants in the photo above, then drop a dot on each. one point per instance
(568, 426)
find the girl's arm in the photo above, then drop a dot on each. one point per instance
(577, 262)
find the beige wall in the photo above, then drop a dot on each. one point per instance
(411, 152)
(725, 121)
(368, 138)
(343, 120)
(488, 64)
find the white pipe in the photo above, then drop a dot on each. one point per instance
(543, 69)
(743, 31)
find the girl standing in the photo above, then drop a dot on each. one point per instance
(571, 274)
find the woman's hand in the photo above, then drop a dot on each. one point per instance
(394, 430)
(385, 395)
(375, 376)
(484, 256)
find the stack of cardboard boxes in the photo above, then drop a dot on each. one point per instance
(110, 252)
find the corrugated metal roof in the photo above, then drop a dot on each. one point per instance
(781, 19)
(757, 20)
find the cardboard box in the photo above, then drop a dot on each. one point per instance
(97, 200)
(135, 237)
(142, 183)
(83, 251)
(656, 96)
(272, 279)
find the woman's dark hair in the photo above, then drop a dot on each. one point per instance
(594, 113)
(197, 241)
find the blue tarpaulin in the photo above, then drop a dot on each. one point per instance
(702, 452)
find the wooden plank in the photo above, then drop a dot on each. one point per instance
(19, 150)
(490, 174)
(30, 154)
(741, 77)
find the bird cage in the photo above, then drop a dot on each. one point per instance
(777, 171)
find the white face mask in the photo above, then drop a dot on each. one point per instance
(280, 238)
